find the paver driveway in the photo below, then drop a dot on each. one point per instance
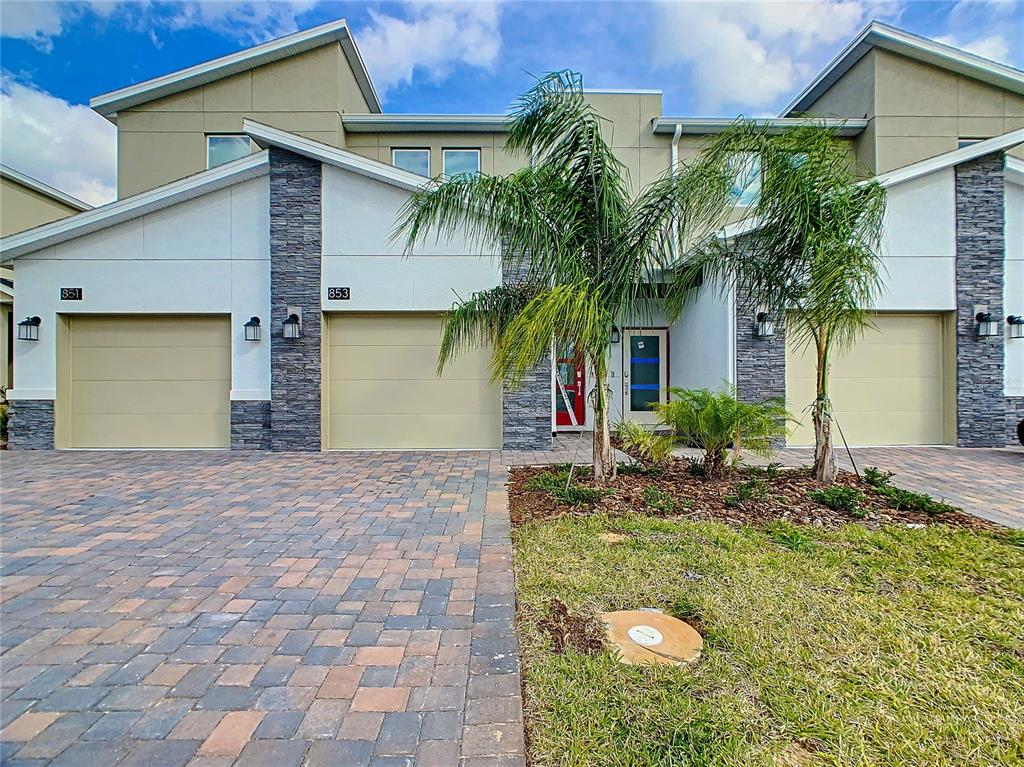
(222, 608)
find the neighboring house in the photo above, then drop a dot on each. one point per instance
(24, 203)
(287, 213)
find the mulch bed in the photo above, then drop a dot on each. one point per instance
(782, 496)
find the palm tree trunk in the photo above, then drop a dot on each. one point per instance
(604, 456)
(824, 455)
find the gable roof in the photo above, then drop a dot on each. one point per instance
(108, 104)
(45, 189)
(879, 35)
(119, 211)
(264, 135)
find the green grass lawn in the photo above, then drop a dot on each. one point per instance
(822, 647)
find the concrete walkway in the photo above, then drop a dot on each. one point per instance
(218, 608)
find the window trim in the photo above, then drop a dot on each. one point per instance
(479, 157)
(209, 136)
(426, 149)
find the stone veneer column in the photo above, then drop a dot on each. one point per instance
(250, 425)
(526, 410)
(982, 409)
(30, 424)
(295, 256)
(760, 362)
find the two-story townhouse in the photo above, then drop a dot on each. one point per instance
(244, 291)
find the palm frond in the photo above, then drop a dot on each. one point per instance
(480, 319)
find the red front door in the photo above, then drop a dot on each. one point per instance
(570, 390)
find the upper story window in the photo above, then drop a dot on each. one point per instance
(225, 148)
(461, 162)
(967, 142)
(413, 160)
(746, 183)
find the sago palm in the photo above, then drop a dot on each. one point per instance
(588, 251)
(805, 251)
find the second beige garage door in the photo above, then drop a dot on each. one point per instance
(890, 389)
(146, 382)
(383, 391)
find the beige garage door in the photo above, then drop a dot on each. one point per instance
(138, 382)
(384, 392)
(887, 390)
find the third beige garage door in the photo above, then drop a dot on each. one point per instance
(384, 393)
(146, 382)
(890, 389)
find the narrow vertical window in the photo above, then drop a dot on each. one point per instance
(746, 184)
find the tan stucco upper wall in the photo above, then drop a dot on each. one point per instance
(916, 110)
(165, 139)
(24, 208)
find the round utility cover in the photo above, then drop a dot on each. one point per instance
(651, 637)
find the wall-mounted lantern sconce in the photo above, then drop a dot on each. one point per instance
(28, 329)
(292, 325)
(765, 325)
(252, 329)
(616, 335)
(1016, 323)
(987, 324)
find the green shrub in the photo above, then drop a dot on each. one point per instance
(643, 443)
(904, 500)
(751, 490)
(714, 421)
(659, 500)
(639, 469)
(771, 471)
(3, 422)
(548, 480)
(695, 468)
(839, 498)
(577, 495)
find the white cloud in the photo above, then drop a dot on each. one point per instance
(40, 21)
(67, 146)
(993, 47)
(433, 40)
(749, 54)
(986, 29)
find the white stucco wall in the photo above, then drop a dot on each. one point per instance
(918, 246)
(1013, 287)
(359, 217)
(208, 255)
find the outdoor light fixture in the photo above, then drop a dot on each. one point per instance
(1016, 323)
(765, 325)
(987, 324)
(616, 335)
(252, 329)
(292, 326)
(28, 329)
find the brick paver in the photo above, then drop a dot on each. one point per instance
(216, 608)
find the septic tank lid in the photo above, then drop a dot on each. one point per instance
(643, 636)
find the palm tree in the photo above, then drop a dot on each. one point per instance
(589, 251)
(805, 251)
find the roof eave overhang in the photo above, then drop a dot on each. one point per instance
(44, 189)
(703, 126)
(878, 35)
(108, 104)
(33, 240)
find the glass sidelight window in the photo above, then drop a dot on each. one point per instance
(644, 373)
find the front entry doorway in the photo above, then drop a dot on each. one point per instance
(570, 389)
(644, 372)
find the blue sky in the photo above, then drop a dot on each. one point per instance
(722, 58)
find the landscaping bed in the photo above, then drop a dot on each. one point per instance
(744, 496)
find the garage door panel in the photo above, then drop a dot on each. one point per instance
(137, 363)
(142, 397)
(149, 382)
(420, 432)
(177, 430)
(173, 332)
(403, 362)
(888, 389)
(415, 396)
(384, 391)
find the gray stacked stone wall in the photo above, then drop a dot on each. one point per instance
(295, 256)
(526, 409)
(30, 424)
(760, 362)
(1014, 415)
(250, 425)
(981, 406)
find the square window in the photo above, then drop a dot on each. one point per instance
(413, 160)
(461, 162)
(222, 149)
(746, 184)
